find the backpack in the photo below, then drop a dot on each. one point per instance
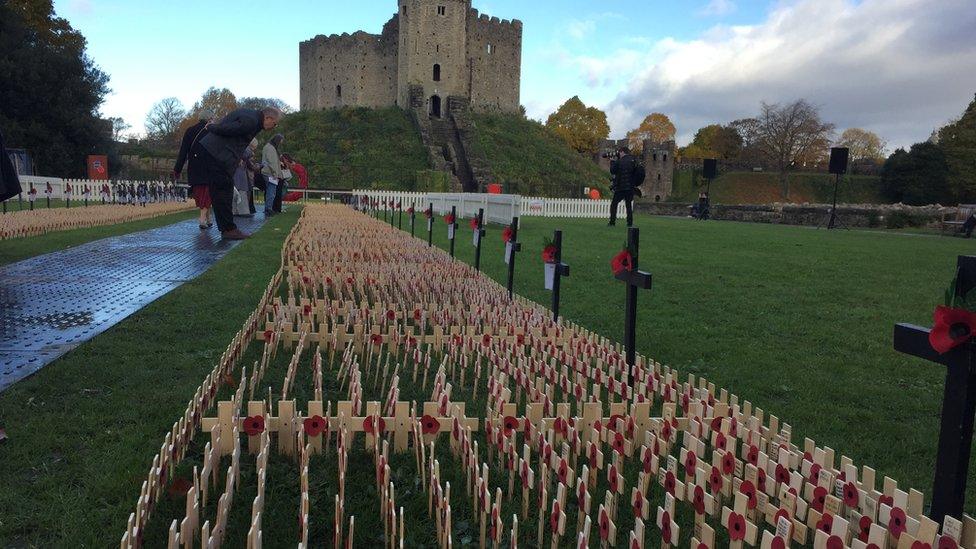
(639, 174)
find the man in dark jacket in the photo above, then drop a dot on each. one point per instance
(222, 151)
(9, 182)
(196, 170)
(627, 175)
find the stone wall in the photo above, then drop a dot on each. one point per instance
(495, 59)
(848, 215)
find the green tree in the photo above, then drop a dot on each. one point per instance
(580, 126)
(958, 141)
(864, 145)
(918, 176)
(656, 126)
(258, 103)
(714, 141)
(51, 91)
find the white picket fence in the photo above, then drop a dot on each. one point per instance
(59, 186)
(499, 208)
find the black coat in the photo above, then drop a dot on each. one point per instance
(190, 149)
(228, 138)
(623, 173)
(9, 182)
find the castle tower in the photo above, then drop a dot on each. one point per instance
(432, 64)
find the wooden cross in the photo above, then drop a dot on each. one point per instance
(740, 530)
(512, 247)
(635, 280)
(958, 402)
(479, 233)
(666, 524)
(560, 270)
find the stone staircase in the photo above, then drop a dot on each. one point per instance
(445, 137)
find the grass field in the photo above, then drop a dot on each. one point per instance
(83, 430)
(764, 188)
(795, 320)
(16, 249)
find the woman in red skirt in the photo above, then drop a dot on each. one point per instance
(196, 172)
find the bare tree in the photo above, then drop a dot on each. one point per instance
(163, 121)
(262, 102)
(790, 135)
(119, 127)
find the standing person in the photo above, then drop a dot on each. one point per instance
(253, 169)
(242, 184)
(196, 169)
(271, 168)
(627, 175)
(9, 181)
(223, 149)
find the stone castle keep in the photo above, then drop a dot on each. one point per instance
(430, 51)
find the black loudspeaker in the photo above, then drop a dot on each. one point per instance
(838, 160)
(709, 168)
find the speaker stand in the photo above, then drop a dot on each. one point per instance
(830, 220)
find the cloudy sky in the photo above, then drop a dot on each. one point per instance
(900, 68)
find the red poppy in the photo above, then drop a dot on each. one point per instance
(761, 480)
(449, 219)
(728, 463)
(549, 254)
(691, 463)
(777, 543)
(782, 513)
(753, 455)
(886, 500)
(851, 495)
(716, 424)
(618, 443)
(390, 315)
(720, 441)
(715, 481)
(953, 327)
(613, 479)
(410, 210)
(510, 425)
(945, 542)
(314, 426)
(834, 542)
(370, 426)
(604, 525)
(666, 527)
(819, 498)
(486, 340)
(563, 471)
(554, 517)
(376, 339)
(826, 523)
(814, 473)
(669, 482)
(268, 334)
(648, 454)
(621, 262)
(864, 528)
(736, 526)
(666, 431)
(507, 233)
(782, 474)
(429, 425)
(474, 224)
(179, 487)
(698, 500)
(897, 521)
(749, 490)
(254, 425)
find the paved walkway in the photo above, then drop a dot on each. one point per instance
(52, 303)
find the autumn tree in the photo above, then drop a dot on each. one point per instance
(714, 141)
(958, 141)
(791, 135)
(580, 126)
(163, 121)
(258, 103)
(656, 126)
(864, 145)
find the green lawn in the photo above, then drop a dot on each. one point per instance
(797, 321)
(83, 430)
(16, 249)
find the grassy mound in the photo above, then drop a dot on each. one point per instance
(355, 147)
(530, 160)
(764, 188)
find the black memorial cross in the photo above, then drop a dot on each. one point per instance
(452, 228)
(516, 247)
(413, 217)
(481, 235)
(561, 270)
(958, 402)
(635, 280)
(400, 215)
(429, 214)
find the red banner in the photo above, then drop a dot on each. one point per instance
(97, 166)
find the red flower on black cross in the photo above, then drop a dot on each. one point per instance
(622, 262)
(897, 521)
(254, 425)
(736, 526)
(429, 425)
(314, 426)
(953, 327)
(851, 495)
(826, 523)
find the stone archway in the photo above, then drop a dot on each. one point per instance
(435, 106)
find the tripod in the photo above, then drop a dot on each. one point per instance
(831, 219)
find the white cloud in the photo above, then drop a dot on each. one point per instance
(896, 67)
(580, 29)
(717, 8)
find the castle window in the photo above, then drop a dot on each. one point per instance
(339, 92)
(437, 73)
(404, 10)
(658, 177)
(655, 157)
(441, 10)
(665, 157)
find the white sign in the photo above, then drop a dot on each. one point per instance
(430, 224)
(475, 237)
(450, 231)
(508, 253)
(550, 272)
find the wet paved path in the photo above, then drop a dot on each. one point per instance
(54, 302)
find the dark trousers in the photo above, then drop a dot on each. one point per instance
(969, 225)
(628, 199)
(221, 193)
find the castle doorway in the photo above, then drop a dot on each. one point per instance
(435, 106)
